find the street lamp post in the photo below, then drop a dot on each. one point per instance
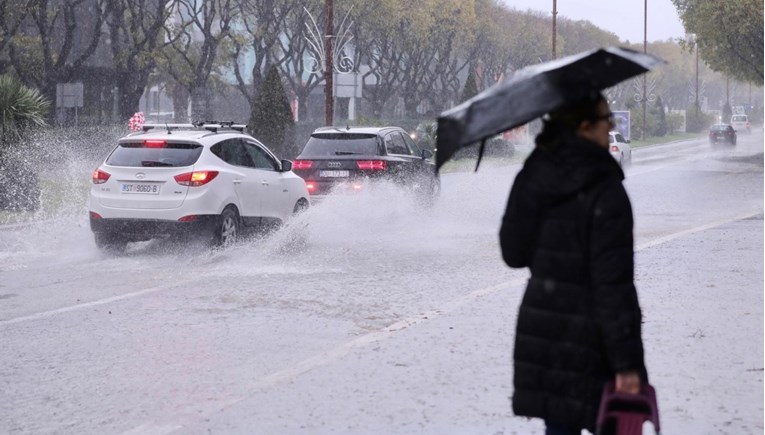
(329, 69)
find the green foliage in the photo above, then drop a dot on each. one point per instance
(658, 119)
(655, 119)
(271, 121)
(674, 122)
(470, 90)
(696, 120)
(726, 112)
(729, 35)
(21, 110)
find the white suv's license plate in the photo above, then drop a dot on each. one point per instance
(152, 189)
(334, 174)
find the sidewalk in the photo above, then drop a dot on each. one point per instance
(703, 334)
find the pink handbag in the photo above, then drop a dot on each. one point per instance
(624, 414)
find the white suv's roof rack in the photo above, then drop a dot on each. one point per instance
(212, 126)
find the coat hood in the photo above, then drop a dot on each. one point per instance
(570, 165)
(551, 175)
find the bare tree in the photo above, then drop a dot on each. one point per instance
(196, 30)
(263, 23)
(377, 43)
(44, 54)
(12, 15)
(136, 30)
(296, 65)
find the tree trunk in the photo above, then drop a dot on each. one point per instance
(130, 93)
(180, 96)
(200, 105)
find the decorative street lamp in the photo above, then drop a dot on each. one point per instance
(646, 94)
(324, 53)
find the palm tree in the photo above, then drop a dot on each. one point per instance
(21, 110)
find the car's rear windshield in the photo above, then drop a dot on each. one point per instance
(720, 127)
(338, 144)
(739, 118)
(154, 154)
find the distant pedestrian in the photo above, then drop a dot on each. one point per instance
(569, 220)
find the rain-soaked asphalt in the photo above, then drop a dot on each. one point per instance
(369, 314)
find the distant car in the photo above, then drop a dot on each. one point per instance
(346, 159)
(619, 148)
(740, 123)
(722, 133)
(208, 179)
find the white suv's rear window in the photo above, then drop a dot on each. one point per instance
(140, 154)
(739, 118)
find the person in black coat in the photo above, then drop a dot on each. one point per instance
(569, 220)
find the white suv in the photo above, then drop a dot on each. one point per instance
(741, 123)
(208, 179)
(619, 148)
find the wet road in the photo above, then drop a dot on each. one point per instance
(368, 315)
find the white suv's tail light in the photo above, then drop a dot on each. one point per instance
(196, 178)
(100, 177)
(614, 148)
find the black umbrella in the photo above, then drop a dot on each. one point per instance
(534, 91)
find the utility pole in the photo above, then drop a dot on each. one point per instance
(697, 77)
(554, 32)
(329, 68)
(645, 50)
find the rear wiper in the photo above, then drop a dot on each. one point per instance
(346, 153)
(154, 163)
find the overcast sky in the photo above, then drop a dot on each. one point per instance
(623, 17)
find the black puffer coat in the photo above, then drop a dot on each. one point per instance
(569, 221)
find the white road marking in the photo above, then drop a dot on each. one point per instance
(50, 313)
(673, 236)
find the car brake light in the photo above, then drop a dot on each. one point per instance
(302, 164)
(154, 143)
(310, 186)
(94, 215)
(189, 218)
(375, 165)
(196, 178)
(614, 148)
(100, 177)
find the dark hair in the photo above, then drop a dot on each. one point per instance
(567, 119)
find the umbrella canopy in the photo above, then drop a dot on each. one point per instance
(534, 91)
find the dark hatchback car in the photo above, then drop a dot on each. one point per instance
(722, 133)
(346, 159)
